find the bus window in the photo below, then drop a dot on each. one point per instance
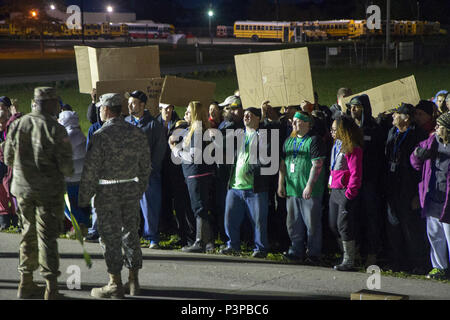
(271, 28)
(246, 27)
(238, 27)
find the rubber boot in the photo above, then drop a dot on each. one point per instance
(113, 289)
(349, 256)
(27, 288)
(208, 236)
(132, 286)
(51, 291)
(199, 244)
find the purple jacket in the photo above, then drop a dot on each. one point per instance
(426, 176)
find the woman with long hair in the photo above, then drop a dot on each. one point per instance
(198, 175)
(345, 182)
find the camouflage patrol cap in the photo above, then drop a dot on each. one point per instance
(45, 93)
(109, 100)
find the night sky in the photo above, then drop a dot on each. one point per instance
(192, 13)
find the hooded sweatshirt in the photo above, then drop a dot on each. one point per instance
(445, 92)
(374, 138)
(70, 121)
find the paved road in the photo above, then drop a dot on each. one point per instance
(44, 78)
(172, 274)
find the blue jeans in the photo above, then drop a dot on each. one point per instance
(151, 207)
(256, 205)
(80, 214)
(304, 225)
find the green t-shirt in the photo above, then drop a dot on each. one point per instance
(298, 154)
(241, 179)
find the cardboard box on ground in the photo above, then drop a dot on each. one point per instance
(282, 76)
(390, 95)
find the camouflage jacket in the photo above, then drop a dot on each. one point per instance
(117, 151)
(38, 150)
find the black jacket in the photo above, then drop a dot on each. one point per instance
(260, 182)
(373, 157)
(403, 182)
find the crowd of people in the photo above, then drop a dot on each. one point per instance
(374, 187)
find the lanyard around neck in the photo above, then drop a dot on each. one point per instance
(295, 150)
(398, 144)
(336, 152)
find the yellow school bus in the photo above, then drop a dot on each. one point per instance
(91, 31)
(256, 30)
(311, 30)
(335, 28)
(357, 28)
(119, 30)
(399, 28)
(4, 29)
(417, 28)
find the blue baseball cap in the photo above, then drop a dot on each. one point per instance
(5, 100)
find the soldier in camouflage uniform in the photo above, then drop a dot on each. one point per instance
(116, 172)
(38, 150)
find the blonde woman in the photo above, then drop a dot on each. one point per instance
(198, 175)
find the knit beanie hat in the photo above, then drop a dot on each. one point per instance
(444, 120)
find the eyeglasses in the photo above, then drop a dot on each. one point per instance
(333, 130)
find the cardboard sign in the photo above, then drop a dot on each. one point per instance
(180, 91)
(151, 87)
(105, 64)
(283, 77)
(390, 95)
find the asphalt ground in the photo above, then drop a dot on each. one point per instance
(175, 275)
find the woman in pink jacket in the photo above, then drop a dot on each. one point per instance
(345, 182)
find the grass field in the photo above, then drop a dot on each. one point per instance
(326, 81)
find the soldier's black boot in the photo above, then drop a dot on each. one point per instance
(27, 288)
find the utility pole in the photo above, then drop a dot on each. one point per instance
(418, 10)
(82, 22)
(388, 28)
(210, 15)
(276, 10)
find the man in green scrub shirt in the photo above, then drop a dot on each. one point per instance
(302, 181)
